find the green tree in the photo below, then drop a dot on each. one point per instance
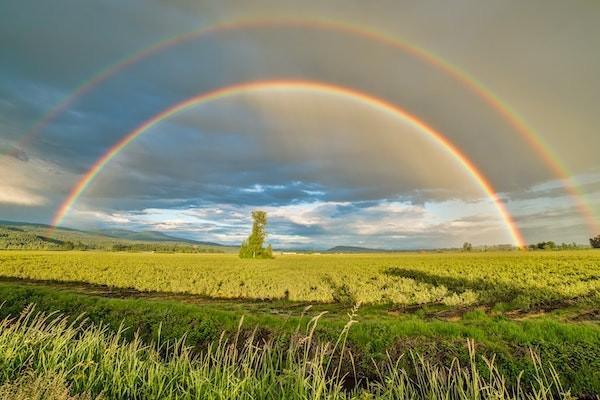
(253, 246)
(68, 245)
(595, 242)
(467, 246)
(549, 245)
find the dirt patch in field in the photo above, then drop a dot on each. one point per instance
(569, 311)
(286, 308)
(587, 315)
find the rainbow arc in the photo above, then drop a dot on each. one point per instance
(528, 134)
(290, 85)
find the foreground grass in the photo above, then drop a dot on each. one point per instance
(52, 356)
(574, 348)
(32, 386)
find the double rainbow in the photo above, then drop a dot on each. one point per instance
(289, 85)
(517, 123)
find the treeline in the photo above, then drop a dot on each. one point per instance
(13, 238)
(550, 245)
(18, 239)
(163, 248)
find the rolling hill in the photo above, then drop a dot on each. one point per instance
(355, 249)
(23, 235)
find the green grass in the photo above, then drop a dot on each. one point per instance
(50, 355)
(574, 348)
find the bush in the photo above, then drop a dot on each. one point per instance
(549, 245)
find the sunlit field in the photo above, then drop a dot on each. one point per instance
(455, 279)
(414, 311)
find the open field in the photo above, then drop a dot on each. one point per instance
(508, 302)
(524, 280)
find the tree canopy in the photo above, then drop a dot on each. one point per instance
(253, 246)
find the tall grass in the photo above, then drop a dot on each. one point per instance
(46, 356)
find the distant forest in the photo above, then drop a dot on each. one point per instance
(40, 237)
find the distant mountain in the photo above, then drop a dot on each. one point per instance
(32, 225)
(151, 236)
(355, 249)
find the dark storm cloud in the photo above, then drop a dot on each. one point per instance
(118, 106)
(233, 168)
(291, 228)
(65, 42)
(15, 152)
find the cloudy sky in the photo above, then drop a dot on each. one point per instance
(327, 168)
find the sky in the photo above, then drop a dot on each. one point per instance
(329, 168)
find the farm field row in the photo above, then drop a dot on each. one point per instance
(512, 279)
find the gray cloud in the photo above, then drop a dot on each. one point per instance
(267, 149)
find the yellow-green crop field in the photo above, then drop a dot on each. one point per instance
(428, 303)
(402, 278)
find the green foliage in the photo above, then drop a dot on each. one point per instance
(595, 242)
(35, 237)
(46, 386)
(253, 246)
(12, 238)
(340, 292)
(467, 246)
(89, 360)
(549, 245)
(163, 248)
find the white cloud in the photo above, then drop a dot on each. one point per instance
(14, 195)
(84, 216)
(382, 224)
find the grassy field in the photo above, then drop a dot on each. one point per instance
(47, 357)
(507, 302)
(454, 279)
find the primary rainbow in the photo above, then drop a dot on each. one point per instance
(517, 123)
(287, 85)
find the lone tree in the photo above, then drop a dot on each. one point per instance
(595, 242)
(467, 246)
(253, 246)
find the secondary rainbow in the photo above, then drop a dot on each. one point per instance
(518, 124)
(289, 85)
